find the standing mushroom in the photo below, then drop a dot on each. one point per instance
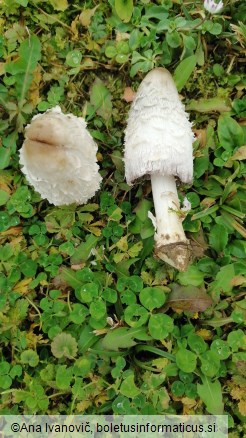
(59, 158)
(158, 144)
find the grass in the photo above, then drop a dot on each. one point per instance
(90, 320)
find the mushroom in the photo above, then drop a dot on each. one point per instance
(59, 158)
(158, 144)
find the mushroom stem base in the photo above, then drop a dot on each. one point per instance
(171, 243)
(175, 254)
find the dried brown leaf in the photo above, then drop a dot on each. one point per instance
(12, 231)
(201, 136)
(129, 94)
(34, 89)
(208, 202)
(198, 244)
(121, 36)
(237, 392)
(86, 16)
(240, 154)
(242, 407)
(189, 298)
(238, 280)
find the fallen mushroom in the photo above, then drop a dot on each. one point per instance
(158, 144)
(59, 158)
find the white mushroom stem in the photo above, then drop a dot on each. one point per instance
(171, 243)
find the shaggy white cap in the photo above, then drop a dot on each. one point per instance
(59, 158)
(158, 137)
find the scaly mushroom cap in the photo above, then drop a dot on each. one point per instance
(59, 158)
(158, 137)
